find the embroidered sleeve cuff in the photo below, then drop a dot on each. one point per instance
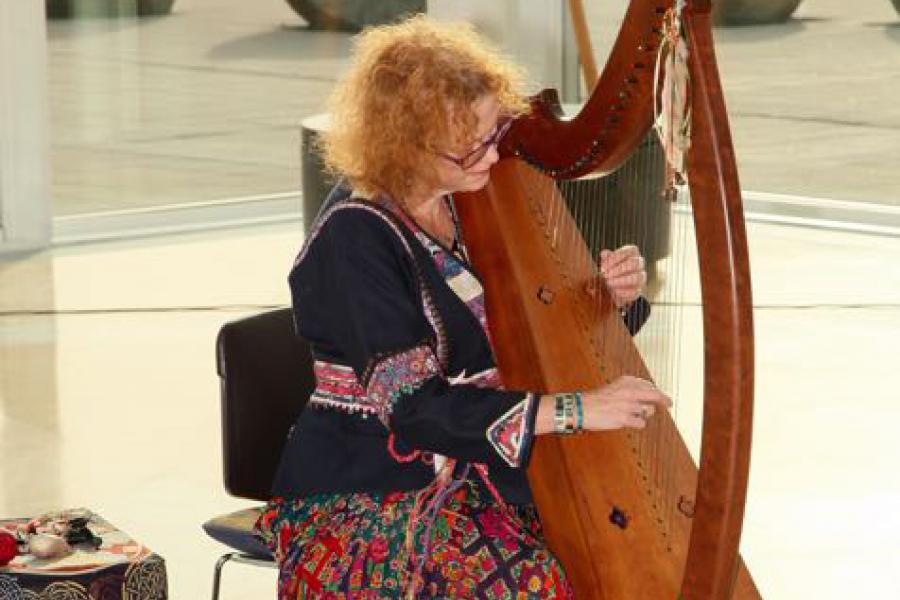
(511, 434)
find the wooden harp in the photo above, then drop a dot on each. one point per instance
(627, 524)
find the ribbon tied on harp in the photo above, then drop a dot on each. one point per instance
(671, 101)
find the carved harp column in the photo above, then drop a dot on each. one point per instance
(627, 525)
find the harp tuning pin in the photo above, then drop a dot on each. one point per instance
(631, 80)
(639, 65)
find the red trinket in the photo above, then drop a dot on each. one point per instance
(8, 548)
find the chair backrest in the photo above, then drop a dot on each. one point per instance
(266, 378)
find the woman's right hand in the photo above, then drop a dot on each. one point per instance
(627, 401)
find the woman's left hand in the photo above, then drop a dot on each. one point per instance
(624, 272)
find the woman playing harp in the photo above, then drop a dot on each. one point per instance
(405, 477)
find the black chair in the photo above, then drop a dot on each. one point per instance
(266, 378)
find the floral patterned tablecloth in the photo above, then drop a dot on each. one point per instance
(120, 569)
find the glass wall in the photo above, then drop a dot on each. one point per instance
(202, 103)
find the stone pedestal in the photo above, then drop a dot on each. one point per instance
(316, 182)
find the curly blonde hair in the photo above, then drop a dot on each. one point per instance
(408, 96)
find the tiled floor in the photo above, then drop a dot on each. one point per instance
(112, 401)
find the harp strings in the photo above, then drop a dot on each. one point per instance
(628, 207)
(644, 204)
(682, 240)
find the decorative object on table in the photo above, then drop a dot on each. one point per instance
(48, 545)
(353, 15)
(76, 554)
(68, 9)
(753, 12)
(8, 548)
(79, 533)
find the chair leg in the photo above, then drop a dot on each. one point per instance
(217, 574)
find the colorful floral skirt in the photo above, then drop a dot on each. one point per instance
(343, 546)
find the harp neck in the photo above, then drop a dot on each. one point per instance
(618, 113)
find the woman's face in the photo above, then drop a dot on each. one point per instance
(456, 177)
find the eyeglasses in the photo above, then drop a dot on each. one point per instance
(474, 157)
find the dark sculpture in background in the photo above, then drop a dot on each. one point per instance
(354, 15)
(753, 12)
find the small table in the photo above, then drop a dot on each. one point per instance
(120, 568)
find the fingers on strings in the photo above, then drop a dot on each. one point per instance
(613, 258)
(642, 401)
(639, 414)
(632, 265)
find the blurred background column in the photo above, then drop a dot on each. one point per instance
(30, 436)
(537, 34)
(24, 175)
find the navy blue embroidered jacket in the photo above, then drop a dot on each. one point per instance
(404, 364)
